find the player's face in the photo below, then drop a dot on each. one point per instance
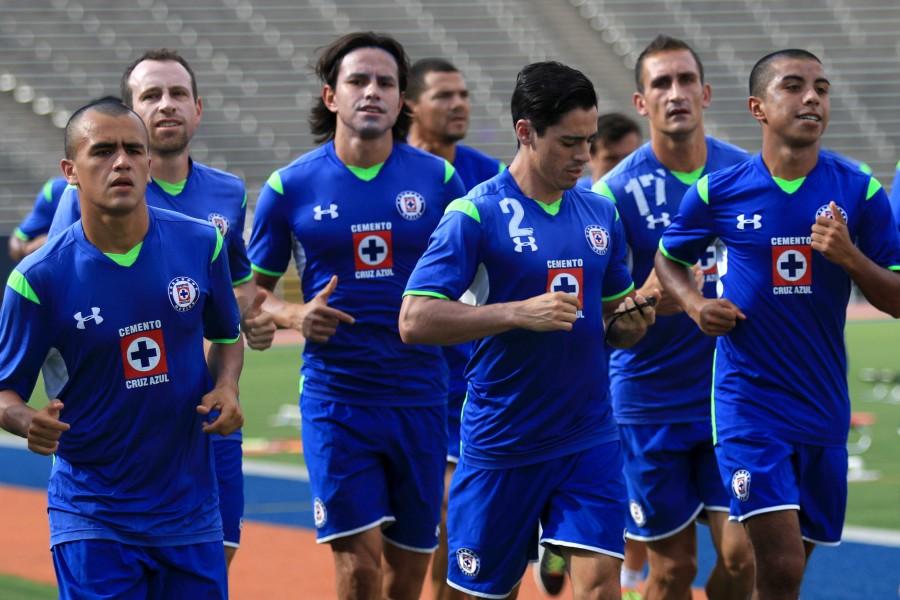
(674, 97)
(443, 107)
(559, 156)
(608, 156)
(161, 95)
(111, 166)
(366, 96)
(796, 104)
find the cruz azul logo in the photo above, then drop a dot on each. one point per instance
(183, 293)
(373, 254)
(791, 265)
(410, 205)
(143, 354)
(220, 221)
(567, 276)
(597, 238)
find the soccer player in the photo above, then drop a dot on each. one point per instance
(161, 88)
(660, 387)
(127, 297)
(356, 214)
(438, 101)
(32, 231)
(895, 195)
(539, 444)
(800, 225)
(617, 137)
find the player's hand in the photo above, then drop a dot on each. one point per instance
(717, 316)
(319, 321)
(633, 316)
(258, 325)
(223, 398)
(665, 303)
(831, 237)
(45, 429)
(553, 311)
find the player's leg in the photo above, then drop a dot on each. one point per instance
(594, 576)
(100, 569)
(230, 477)
(633, 567)
(189, 571)
(733, 574)
(357, 565)
(439, 587)
(780, 554)
(673, 565)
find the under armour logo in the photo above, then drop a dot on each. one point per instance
(663, 220)
(331, 211)
(94, 316)
(743, 221)
(529, 242)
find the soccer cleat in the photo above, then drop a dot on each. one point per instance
(550, 571)
(631, 595)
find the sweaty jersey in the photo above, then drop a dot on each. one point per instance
(207, 194)
(368, 227)
(37, 222)
(531, 396)
(665, 377)
(783, 370)
(135, 465)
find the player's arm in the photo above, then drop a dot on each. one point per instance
(42, 427)
(627, 321)
(314, 319)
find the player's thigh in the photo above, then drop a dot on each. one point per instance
(195, 571)
(230, 477)
(594, 575)
(87, 569)
(492, 525)
(415, 469)
(823, 492)
(343, 447)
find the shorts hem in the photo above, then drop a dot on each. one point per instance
(231, 544)
(820, 543)
(668, 534)
(715, 508)
(762, 511)
(480, 594)
(415, 549)
(453, 459)
(595, 549)
(349, 532)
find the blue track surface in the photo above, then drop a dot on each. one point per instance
(852, 570)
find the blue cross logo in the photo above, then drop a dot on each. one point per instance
(563, 285)
(373, 250)
(144, 354)
(792, 265)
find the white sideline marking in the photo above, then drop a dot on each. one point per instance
(871, 535)
(273, 469)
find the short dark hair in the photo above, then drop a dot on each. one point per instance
(612, 127)
(663, 43)
(546, 91)
(108, 105)
(420, 69)
(161, 55)
(323, 122)
(761, 73)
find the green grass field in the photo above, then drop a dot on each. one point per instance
(13, 588)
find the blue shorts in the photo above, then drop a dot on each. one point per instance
(94, 569)
(373, 466)
(454, 414)
(492, 521)
(764, 474)
(672, 475)
(229, 460)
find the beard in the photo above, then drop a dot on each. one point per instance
(170, 146)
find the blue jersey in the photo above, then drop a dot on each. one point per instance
(665, 377)
(368, 227)
(531, 396)
(586, 182)
(37, 222)
(135, 466)
(783, 371)
(895, 195)
(208, 194)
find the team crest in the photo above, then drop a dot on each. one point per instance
(791, 265)
(740, 484)
(597, 238)
(468, 562)
(637, 513)
(320, 515)
(219, 221)
(825, 211)
(411, 205)
(183, 293)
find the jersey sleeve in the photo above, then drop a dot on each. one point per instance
(41, 216)
(271, 238)
(877, 235)
(687, 238)
(238, 262)
(449, 264)
(67, 212)
(25, 336)
(221, 319)
(453, 185)
(617, 282)
(895, 196)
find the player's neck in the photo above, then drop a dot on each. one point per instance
(530, 181)
(788, 162)
(419, 139)
(171, 168)
(116, 234)
(683, 154)
(358, 152)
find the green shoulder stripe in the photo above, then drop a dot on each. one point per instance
(219, 241)
(602, 188)
(449, 170)
(673, 258)
(20, 285)
(425, 293)
(274, 182)
(48, 190)
(466, 207)
(703, 189)
(501, 167)
(621, 294)
(874, 186)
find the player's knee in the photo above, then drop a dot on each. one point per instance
(738, 561)
(675, 571)
(780, 571)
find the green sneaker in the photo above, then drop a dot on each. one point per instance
(550, 571)
(632, 595)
